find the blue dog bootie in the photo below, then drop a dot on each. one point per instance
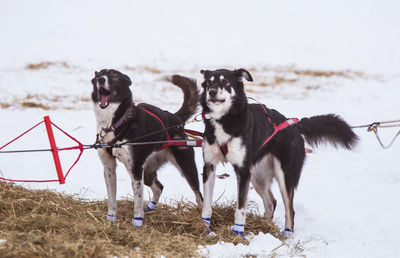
(111, 218)
(206, 222)
(137, 222)
(237, 229)
(151, 206)
(287, 232)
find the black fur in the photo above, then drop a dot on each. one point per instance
(250, 123)
(111, 88)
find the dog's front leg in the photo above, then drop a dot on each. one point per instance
(243, 181)
(109, 165)
(138, 212)
(211, 155)
(208, 189)
(137, 186)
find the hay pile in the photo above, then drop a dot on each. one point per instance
(42, 223)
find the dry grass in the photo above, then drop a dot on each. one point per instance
(144, 69)
(45, 65)
(45, 102)
(41, 223)
(29, 104)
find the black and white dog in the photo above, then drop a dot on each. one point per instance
(235, 132)
(120, 120)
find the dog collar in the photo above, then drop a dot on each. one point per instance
(104, 131)
(205, 116)
(117, 124)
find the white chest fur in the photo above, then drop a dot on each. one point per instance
(104, 119)
(236, 150)
(105, 116)
(221, 136)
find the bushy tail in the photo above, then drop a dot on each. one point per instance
(190, 95)
(328, 129)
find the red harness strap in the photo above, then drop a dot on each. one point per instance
(165, 145)
(280, 127)
(277, 128)
(197, 143)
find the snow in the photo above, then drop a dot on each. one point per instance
(346, 203)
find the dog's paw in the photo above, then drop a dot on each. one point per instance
(237, 230)
(137, 222)
(111, 218)
(206, 223)
(287, 232)
(151, 206)
(210, 234)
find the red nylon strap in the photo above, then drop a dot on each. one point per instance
(19, 136)
(25, 181)
(280, 127)
(54, 150)
(165, 145)
(80, 147)
(197, 143)
(193, 132)
(224, 149)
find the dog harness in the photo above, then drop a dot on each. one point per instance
(197, 143)
(277, 128)
(169, 142)
(112, 128)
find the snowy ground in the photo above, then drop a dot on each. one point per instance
(306, 58)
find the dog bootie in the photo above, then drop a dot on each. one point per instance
(287, 232)
(206, 222)
(137, 222)
(111, 218)
(237, 229)
(151, 206)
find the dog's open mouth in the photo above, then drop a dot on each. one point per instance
(216, 101)
(104, 97)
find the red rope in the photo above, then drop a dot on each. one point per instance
(21, 135)
(80, 147)
(25, 181)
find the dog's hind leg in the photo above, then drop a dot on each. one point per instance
(184, 161)
(134, 164)
(153, 163)
(261, 178)
(109, 164)
(287, 197)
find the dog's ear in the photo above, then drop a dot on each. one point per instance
(126, 80)
(94, 79)
(242, 73)
(204, 72)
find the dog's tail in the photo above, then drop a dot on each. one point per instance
(329, 128)
(190, 95)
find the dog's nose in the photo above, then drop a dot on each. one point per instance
(213, 92)
(101, 80)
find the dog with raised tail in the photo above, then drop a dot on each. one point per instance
(119, 120)
(260, 143)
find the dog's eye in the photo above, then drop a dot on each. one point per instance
(114, 77)
(224, 81)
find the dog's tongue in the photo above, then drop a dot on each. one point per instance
(104, 100)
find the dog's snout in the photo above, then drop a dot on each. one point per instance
(101, 80)
(213, 92)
